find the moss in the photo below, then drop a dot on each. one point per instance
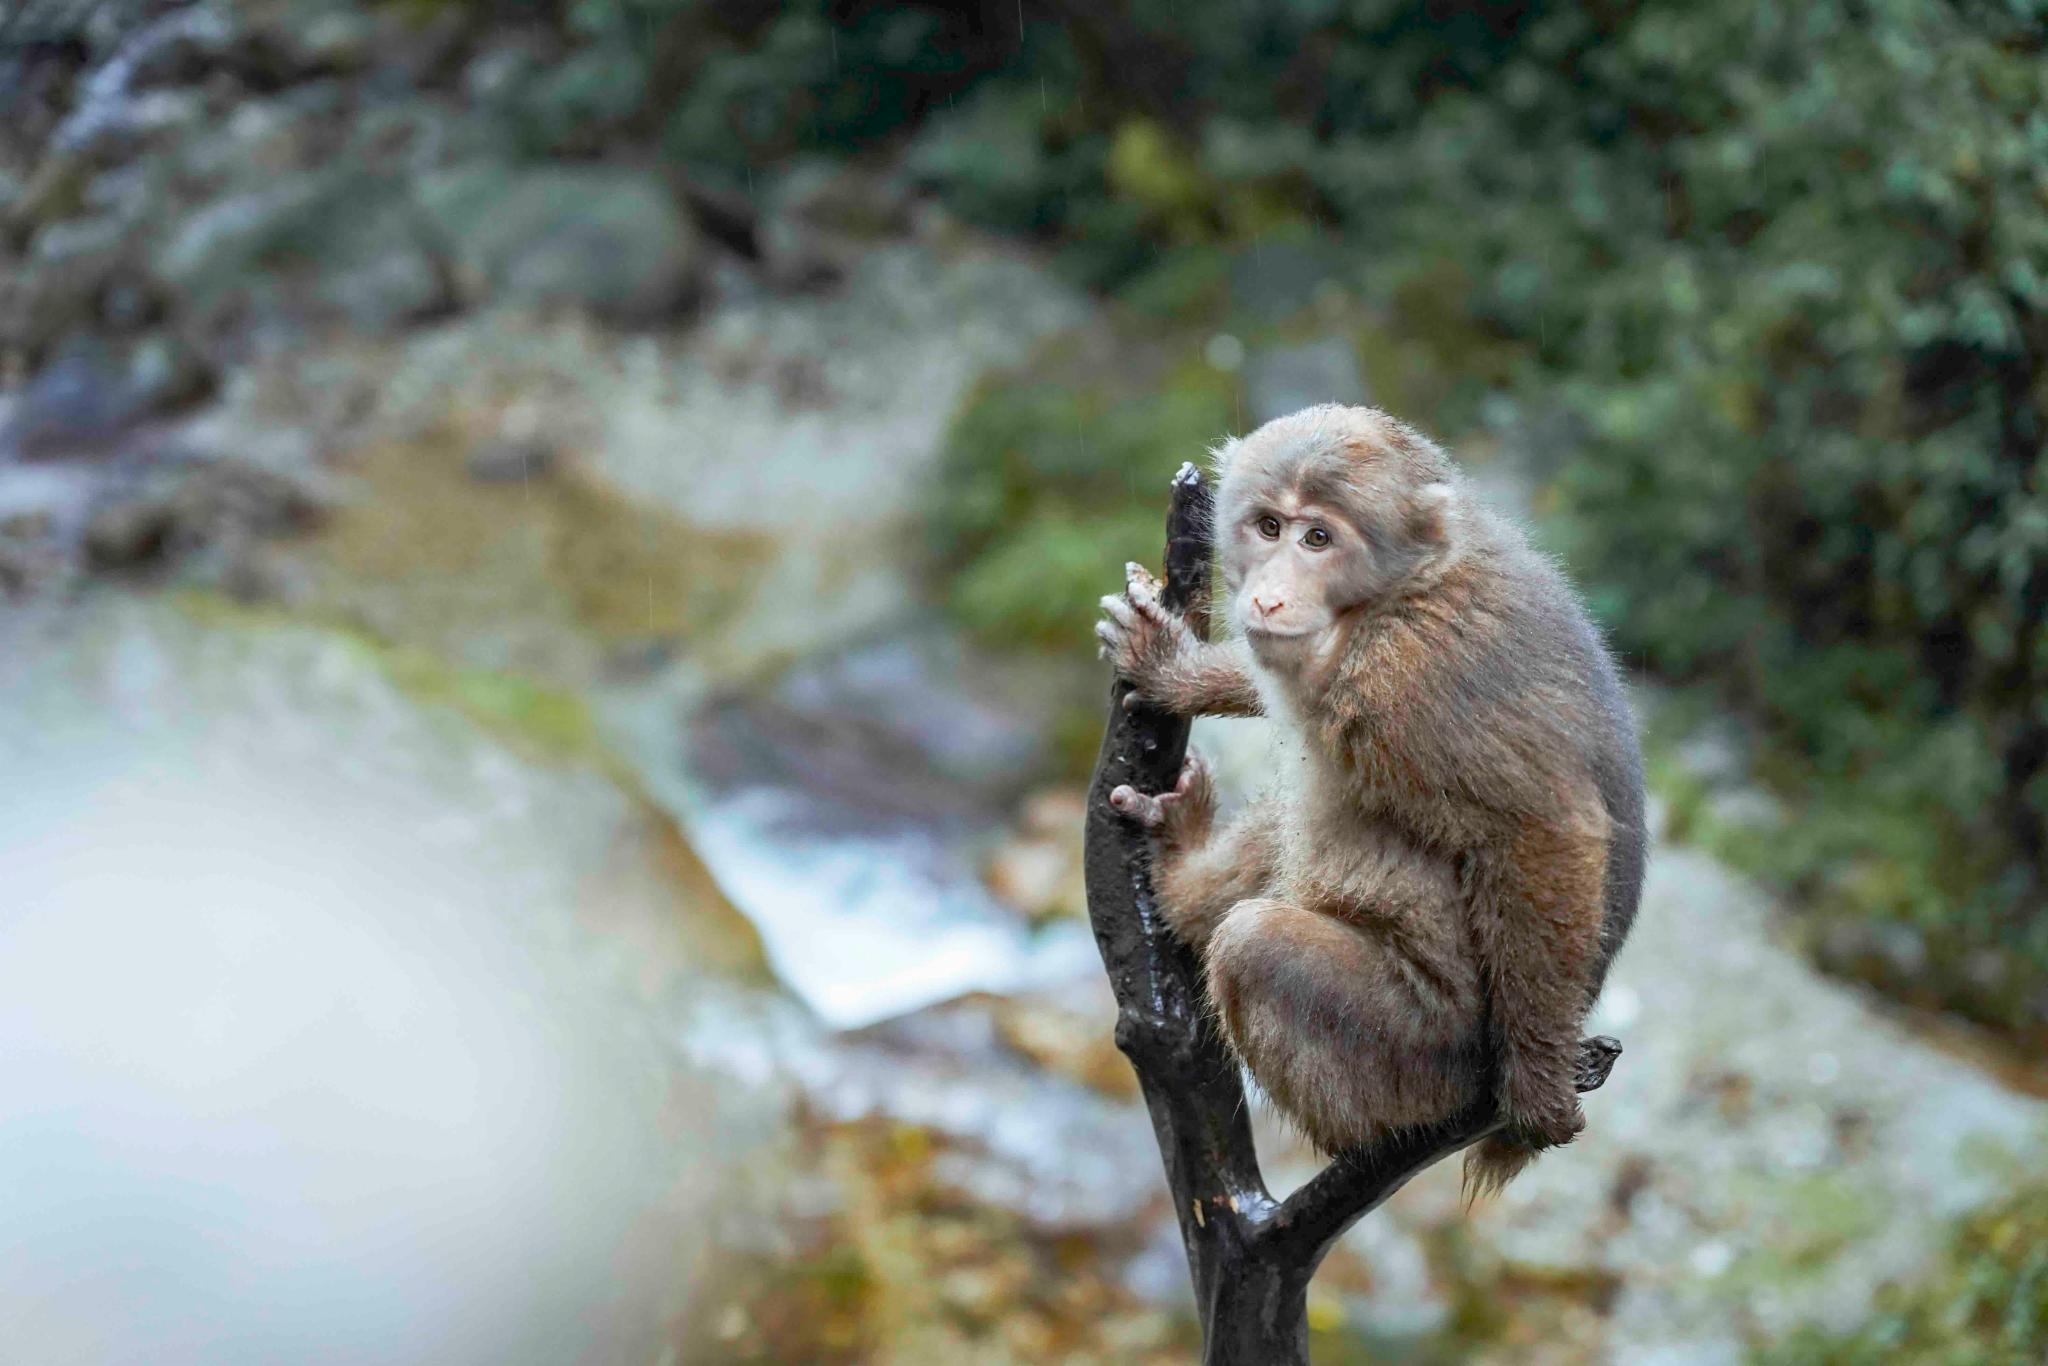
(546, 576)
(1054, 476)
(540, 722)
(1813, 1219)
(1985, 1302)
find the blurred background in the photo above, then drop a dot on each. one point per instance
(547, 554)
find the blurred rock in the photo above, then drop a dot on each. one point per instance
(208, 260)
(606, 239)
(727, 216)
(1077, 1043)
(1037, 876)
(338, 40)
(858, 723)
(165, 371)
(1276, 277)
(823, 216)
(129, 534)
(381, 271)
(511, 461)
(859, 201)
(1017, 1114)
(1038, 869)
(75, 405)
(1282, 379)
(191, 506)
(60, 285)
(81, 402)
(54, 190)
(29, 556)
(220, 495)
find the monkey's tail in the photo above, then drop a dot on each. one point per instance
(1492, 1163)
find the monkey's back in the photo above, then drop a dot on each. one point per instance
(1549, 638)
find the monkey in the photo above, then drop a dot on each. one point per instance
(1419, 914)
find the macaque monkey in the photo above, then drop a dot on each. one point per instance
(1420, 913)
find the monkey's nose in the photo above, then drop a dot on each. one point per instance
(1266, 609)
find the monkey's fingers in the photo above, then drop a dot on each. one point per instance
(1143, 590)
(1114, 643)
(1146, 811)
(1120, 610)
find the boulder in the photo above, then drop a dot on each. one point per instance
(379, 269)
(59, 286)
(606, 239)
(1282, 379)
(186, 508)
(53, 191)
(76, 405)
(511, 460)
(822, 216)
(165, 371)
(206, 261)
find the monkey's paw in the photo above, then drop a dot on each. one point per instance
(1140, 637)
(1180, 816)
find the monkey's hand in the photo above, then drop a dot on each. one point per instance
(1147, 644)
(1181, 818)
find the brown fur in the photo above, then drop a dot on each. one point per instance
(1424, 916)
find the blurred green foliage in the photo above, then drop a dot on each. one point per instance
(1054, 478)
(1781, 268)
(1986, 1303)
(1803, 329)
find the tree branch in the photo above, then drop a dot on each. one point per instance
(1250, 1257)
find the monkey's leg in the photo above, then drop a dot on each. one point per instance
(1199, 881)
(1536, 907)
(1200, 873)
(1155, 649)
(1347, 1035)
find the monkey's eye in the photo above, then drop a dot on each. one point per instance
(1269, 527)
(1316, 538)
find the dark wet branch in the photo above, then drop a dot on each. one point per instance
(1250, 1257)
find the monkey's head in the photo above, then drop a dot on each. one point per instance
(1327, 512)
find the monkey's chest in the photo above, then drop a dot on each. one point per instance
(1346, 862)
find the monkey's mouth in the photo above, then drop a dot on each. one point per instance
(1277, 637)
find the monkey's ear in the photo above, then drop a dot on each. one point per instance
(1433, 514)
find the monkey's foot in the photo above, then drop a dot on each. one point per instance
(1178, 814)
(1596, 1060)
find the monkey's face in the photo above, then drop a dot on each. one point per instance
(1294, 566)
(1321, 514)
